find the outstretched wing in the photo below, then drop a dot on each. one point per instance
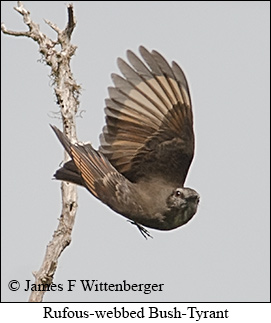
(91, 169)
(149, 121)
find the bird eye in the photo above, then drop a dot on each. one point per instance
(178, 193)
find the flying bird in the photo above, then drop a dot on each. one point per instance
(146, 147)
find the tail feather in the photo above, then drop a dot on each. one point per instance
(69, 173)
(87, 166)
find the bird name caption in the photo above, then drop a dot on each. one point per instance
(87, 285)
(190, 312)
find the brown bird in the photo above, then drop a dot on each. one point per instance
(146, 148)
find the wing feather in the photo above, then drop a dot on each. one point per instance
(149, 120)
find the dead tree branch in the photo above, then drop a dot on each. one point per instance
(67, 92)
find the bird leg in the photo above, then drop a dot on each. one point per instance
(142, 230)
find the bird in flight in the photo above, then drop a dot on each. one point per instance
(146, 147)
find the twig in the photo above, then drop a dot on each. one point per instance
(67, 93)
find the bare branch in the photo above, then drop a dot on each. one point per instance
(71, 21)
(67, 92)
(26, 14)
(14, 33)
(53, 26)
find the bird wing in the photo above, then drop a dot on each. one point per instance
(149, 121)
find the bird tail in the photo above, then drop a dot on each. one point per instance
(69, 173)
(87, 168)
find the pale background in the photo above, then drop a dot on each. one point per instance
(223, 253)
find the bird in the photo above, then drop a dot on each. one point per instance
(146, 147)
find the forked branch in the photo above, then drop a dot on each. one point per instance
(67, 92)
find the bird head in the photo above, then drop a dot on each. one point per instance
(182, 204)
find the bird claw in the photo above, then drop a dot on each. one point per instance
(142, 230)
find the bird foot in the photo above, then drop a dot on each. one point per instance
(142, 230)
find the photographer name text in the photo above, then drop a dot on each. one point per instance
(95, 286)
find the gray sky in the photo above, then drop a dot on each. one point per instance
(223, 253)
